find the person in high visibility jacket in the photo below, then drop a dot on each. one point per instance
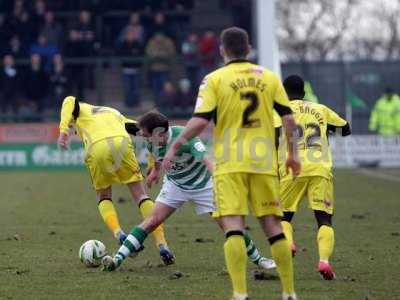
(385, 116)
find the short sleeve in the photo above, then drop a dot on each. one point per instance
(277, 120)
(197, 148)
(127, 120)
(281, 100)
(334, 119)
(206, 102)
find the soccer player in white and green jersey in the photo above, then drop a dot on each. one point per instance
(189, 179)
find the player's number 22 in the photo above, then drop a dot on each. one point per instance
(310, 140)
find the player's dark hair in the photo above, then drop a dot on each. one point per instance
(235, 41)
(153, 120)
(294, 86)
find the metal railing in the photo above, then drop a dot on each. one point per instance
(99, 66)
(332, 81)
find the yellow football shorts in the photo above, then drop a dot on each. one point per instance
(112, 160)
(234, 192)
(319, 191)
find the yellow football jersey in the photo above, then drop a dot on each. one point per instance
(241, 97)
(94, 123)
(313, 122)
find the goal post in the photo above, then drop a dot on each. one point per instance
(264, 31)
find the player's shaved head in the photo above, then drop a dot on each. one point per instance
(294, 87)
(235, 42)
(153, 120)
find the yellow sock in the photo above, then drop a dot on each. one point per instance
(236, 262)
(146, 206)
(288, 231)
(326, 242)
(283, 258)
(109, 215)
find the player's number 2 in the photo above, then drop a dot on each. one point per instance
(248, 122)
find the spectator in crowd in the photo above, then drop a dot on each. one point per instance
(134, 22)
(82, 37)
(18, 7)
(385, 116)
(15, 48)
(168, 100)
(186, 95)
(147, 20)
(59, 82)
(131, 47)
(45, 50)
(36, 84)
(17, 11)
(160, 50)
(179, 23)
(82, 44)
(208, 48)
(25, 29)
(51, 29)
(9, 84)
(190, 52)
(160, 25)
(39, 11)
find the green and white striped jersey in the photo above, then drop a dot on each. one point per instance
(188, 170)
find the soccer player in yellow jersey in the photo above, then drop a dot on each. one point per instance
(314, 121)
(110, 159)
(240, 97)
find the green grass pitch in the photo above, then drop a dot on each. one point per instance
(45, 217)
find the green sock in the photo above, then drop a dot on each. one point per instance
(133, 243)
(252, 252)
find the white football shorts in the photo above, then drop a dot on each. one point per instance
(175, 197)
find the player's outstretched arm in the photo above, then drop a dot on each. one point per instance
(292, 161)
(65, 121)
(193, 128)
(63, 140)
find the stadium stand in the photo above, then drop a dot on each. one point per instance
(132, 54)
(137, 55)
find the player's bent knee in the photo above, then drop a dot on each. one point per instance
(138, 191)
(323, 218)
(271, 225)
(232, 223)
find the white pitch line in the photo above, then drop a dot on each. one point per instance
(377, 174)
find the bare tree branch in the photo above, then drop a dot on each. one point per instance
(326, 29)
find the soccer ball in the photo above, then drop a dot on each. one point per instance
(91, 252)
